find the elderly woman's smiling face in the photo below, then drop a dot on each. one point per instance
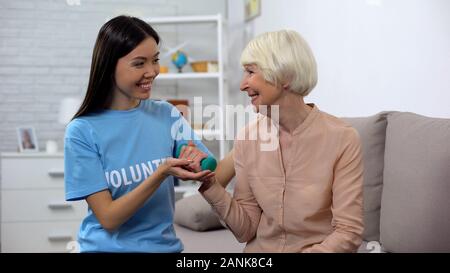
(258, 89)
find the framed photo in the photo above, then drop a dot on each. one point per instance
(27, 139)
(252, 9)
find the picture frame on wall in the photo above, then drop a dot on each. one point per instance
(27, 139)
(252, 9)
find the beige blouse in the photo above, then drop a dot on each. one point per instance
(310, 202)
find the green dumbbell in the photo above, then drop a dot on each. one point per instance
(207, 163)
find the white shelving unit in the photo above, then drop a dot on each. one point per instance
(219, 76)
(197, 75)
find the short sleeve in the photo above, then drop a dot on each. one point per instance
(83, 170)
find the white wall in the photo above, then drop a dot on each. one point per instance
(45, 55)
(236, 40)
(372, 55)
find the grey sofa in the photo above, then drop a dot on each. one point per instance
(406, 190)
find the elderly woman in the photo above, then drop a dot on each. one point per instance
(305, 194)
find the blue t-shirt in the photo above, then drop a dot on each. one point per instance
(117, 150)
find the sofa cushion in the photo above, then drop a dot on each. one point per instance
(195, 213)
(415, 203)
(211, 241)
(372, 132)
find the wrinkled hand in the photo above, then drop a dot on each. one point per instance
(210, 178)
(191, 152)
(177, 167)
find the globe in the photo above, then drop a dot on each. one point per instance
(179, 59)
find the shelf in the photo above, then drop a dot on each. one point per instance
(182, 19)
(171, 76)
(217, 77)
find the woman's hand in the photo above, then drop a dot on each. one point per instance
(191, 152)
(177, 167)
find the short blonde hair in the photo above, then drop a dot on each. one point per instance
(284, 57)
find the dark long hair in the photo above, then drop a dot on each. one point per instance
(117, 37)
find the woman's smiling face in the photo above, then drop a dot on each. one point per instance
(135, 73)
(258, 89)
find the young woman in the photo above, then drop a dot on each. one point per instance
(119, 147)
(305, 194)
